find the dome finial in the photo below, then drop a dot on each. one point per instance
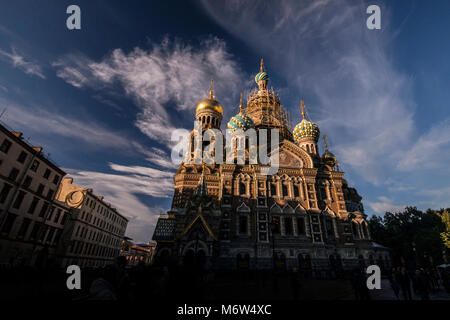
(261, 68)
(325, 142)
(302, 107)
(211, 89)
(241, 107)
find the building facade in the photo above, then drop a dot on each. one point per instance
(141, 253)
(31, 220)
(94, 233)
(305, 216)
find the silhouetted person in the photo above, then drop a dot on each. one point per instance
(405, 284)
(423, 285)
(359, 283)
(103, 288)
(393, 282)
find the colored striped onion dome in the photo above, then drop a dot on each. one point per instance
(306, 129)
(261, 76)
(240, 121)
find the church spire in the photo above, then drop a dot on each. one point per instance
(325, 142)
(241, 106)
(211, 90)
(261, 68)
(302, 107)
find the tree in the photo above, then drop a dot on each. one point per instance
(444, 215)
(412, 234)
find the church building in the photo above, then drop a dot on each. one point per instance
(304, 217)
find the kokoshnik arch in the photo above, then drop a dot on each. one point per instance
(234, 216)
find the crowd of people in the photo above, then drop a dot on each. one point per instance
(421, 282)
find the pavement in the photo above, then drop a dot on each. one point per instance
(386, 293)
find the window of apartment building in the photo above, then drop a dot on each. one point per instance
(63, 220)
(5, 192)
(27, 182)
(34, 232)
(44, 210)
(40, 189)
(19, 199)
(288, 230)
(34, 166)
(33, 205)
(58, 214)
(50, 234)
(6, 145)
(22, 157)
(13, 174)
(50, 194)
(57, 235)
(41, 236)
(55, 179)
(24, 228)
(9, 222)
(47, 173)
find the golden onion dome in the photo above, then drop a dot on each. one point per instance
(209, 104)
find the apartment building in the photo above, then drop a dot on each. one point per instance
(31, 221)
(93, 235)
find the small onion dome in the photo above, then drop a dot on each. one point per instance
(306, 128)
(241, 120)
(209, 103)
(261, 76)
(329, 158)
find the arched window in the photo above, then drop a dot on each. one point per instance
(242, 188)
(307, 147)
(285, 190)
(273, 189)
(207, 119)
(296, 191)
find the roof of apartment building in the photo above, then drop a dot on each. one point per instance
(17, 136)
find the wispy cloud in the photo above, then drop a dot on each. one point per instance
(38, 119)
(431, 151)
(170, 76)
(122, 190)
(19, 61)
(384, 205)
(326, 53)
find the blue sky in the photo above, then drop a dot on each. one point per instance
(104, 100)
